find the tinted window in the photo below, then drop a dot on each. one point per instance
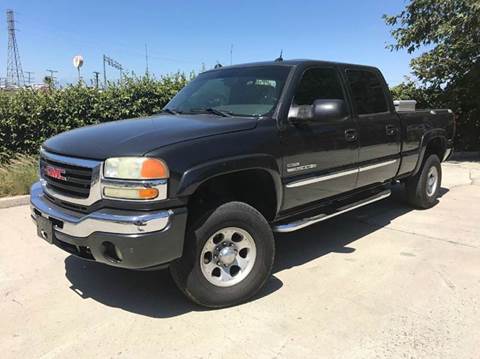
(367, 91)
(318, 84)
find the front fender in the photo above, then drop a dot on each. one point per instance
(197, 175)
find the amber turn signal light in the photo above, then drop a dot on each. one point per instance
(131, 193)
(154, 168)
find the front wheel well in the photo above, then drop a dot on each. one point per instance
(255, 187)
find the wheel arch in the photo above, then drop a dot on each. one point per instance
(253, 179)
(433, 142)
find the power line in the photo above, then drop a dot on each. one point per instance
(107, 60)
(14, 65)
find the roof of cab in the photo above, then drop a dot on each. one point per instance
(293, 62)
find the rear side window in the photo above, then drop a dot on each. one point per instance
(367, 92)
(318, 84)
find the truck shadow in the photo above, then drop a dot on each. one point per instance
(154, 294)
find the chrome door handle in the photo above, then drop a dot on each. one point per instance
(391, 130)
(351, 135)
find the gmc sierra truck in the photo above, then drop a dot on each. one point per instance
(239, 153)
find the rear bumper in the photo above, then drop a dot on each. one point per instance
(127, 239)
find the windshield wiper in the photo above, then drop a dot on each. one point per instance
(170, 111)
(212, 111)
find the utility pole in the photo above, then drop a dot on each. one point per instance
(96, 73)
(52, 76)
(14, 66)
(231, 54)
(146, 60)
(104, 73)
(29, 77)
(110, 62)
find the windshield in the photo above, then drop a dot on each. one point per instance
(245, 91)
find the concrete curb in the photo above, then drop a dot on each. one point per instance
(15, 201)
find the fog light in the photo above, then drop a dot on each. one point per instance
(130, 193)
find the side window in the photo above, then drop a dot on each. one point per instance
(318, 84)
(367, 92)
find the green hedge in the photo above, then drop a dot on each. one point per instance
(29, 117)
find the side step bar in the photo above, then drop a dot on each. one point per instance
(305, 222)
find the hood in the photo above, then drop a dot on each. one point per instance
(136, 137)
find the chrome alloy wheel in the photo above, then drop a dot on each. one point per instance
(432, 181)
(228, 256)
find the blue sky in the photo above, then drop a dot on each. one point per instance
(181, 35)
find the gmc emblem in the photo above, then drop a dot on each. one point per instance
(55, 172)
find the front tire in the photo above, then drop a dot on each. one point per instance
(423, 188)
(228, 256)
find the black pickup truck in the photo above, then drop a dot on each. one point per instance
(241, 152)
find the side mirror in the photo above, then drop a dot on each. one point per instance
(321, 110)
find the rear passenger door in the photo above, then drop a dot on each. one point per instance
(378, 126)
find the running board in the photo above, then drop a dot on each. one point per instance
(305, 222)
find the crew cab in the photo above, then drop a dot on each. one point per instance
(240, 153)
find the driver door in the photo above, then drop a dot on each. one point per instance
(320, 157)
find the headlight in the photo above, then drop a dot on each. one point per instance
(134, 178)
(135, 168)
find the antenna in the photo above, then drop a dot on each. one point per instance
(14, 66)
(280, 58)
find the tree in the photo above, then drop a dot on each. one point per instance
(450, 27)
(449, 68)
(425, 97)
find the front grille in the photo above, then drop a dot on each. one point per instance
(77, 180)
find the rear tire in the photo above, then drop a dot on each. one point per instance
(228, 256)
(423, 188)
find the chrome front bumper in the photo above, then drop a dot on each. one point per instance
(78, 224)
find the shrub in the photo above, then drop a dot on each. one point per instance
(18, 175)
(28, 117)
